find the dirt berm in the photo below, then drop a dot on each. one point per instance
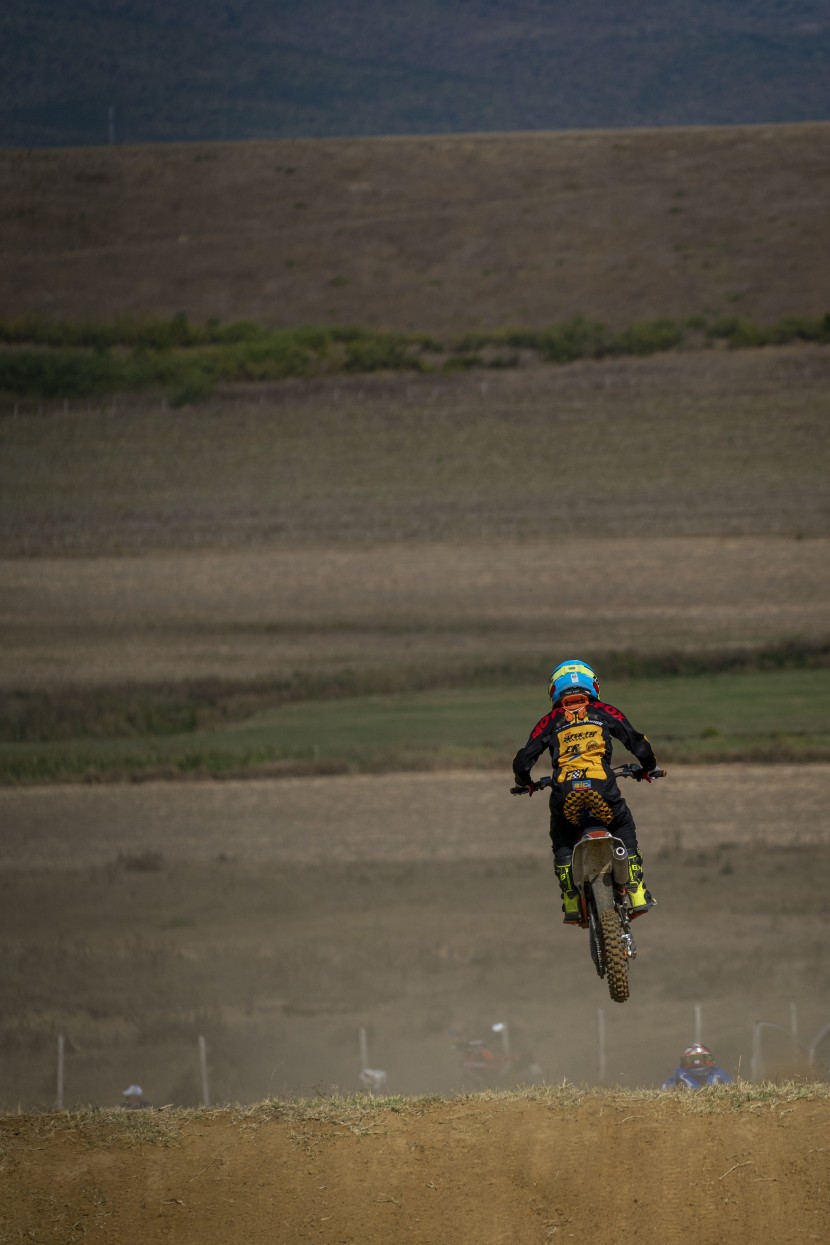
(736, 1165)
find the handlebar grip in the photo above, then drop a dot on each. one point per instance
(637, 772)
(532, 786)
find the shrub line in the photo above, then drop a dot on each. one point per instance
(56, 359)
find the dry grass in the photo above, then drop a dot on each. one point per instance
(354, 1110)
(357, 1112)
(436, 233)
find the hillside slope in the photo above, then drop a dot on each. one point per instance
(430, 234)
(555, 1166)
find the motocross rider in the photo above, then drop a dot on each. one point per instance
(579, 731)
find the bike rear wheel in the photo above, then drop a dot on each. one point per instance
(616, 964)
(595, 940)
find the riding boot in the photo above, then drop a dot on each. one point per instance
(639, 898)
(570, 895)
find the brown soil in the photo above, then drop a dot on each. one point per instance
(265, 613)
(394, 818)
(429, 233)
(493, 1171)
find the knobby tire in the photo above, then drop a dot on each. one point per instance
(595, 936)
(616, 964)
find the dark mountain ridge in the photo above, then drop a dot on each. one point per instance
(225, 69)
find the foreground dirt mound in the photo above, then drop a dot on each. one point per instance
(728, 1165)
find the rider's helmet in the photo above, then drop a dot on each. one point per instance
(572, 675)
(697, 1056)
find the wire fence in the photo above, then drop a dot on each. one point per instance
(777, 1049)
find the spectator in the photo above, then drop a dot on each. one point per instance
(133, 1097)
(697, 1068)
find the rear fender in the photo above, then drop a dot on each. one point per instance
(597, 853)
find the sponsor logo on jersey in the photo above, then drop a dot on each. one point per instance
(585, 745)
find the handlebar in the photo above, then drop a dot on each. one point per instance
(636, 771)
(629, 770)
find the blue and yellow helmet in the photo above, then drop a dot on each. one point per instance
(572, 676)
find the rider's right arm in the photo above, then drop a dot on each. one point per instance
(526, 757)
(521, 768)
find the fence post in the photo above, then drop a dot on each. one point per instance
(601, 1064)
(203, 1071)
(373, 1080)
(812, 1050)
(756, 1068)
(59, 1095)
(698, 1023)
(503, 1029)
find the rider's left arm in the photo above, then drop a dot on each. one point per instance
(634, 741)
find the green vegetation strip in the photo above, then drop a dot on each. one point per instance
(54, 359)
(775, 716)
(149, 710)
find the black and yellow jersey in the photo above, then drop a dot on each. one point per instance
(581, 743)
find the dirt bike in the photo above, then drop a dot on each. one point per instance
(600, 875)
(490, 1062)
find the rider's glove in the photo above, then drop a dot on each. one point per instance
(645, 775)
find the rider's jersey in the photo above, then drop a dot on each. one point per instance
(696, 1078)
(581, 744)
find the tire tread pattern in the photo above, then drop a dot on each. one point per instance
(616, 965)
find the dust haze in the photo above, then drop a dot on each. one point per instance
(276, 918)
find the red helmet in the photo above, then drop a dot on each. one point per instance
(697, 1056)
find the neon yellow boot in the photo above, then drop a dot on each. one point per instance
(570, 895)
(639, 898)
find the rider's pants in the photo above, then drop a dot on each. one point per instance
(602, 806)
